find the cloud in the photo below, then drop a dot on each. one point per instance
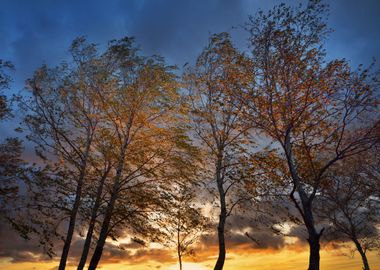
(18, 249)
(34, 32)
(37, 32)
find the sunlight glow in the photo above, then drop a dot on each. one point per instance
(187, 266)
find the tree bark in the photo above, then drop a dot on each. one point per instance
(179, 252)
(305, 208)
(222, 216)
(109, 211)
(222, 246)
(70, 230)
(313, 235)
(104, 230)
(74, 211)
(91, 226)
(180, 261)
(362, 254)
(105, 226)
(314, 257)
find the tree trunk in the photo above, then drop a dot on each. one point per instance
(91, 226)
(103, 232)
(362, 254)
(107, 218)
(222, 216)
(222, 246)
(314, 257)
(313, 235)
(180, 261)
(105, 226)
(305, 208)
(74, 212)
(70, 230)
(179, 252)
(179, 258)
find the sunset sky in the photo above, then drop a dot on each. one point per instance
(40, 31)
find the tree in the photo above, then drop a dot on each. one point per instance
(10, 150)
(5, 79)
(94, 199)
(219, 124)
(11, 162)
(142, 113)
(350, 204)
(317, 112)
(110, 125)
(182, 220)
(62, 120)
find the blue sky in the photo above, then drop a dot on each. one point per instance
(40, 31)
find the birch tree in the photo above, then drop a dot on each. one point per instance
(62, 120)
(141, 111)
(218, 122)
(317, 111)
(350, 204)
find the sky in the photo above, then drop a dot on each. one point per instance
(40, 31)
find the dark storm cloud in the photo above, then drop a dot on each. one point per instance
(33, 32)
(356, 30)
(258, 228)
(127, 253)
(179, 29)
(257, 224)
(18, 249)
(40, 31)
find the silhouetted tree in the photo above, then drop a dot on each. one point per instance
(142, 113)
(10, 150)
(182, 220)
(219, 124)
(317, 112)
(350, 204)
(62, 119)
(5, 79)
